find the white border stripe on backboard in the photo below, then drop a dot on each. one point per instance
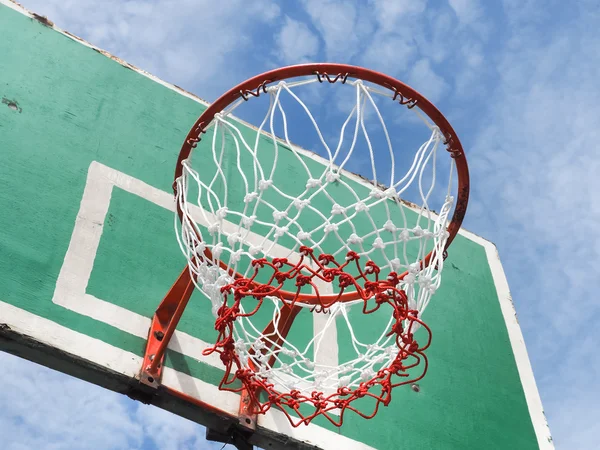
(76, 270)
(532, 395)
(129, 364)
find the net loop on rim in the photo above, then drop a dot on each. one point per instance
(275, 235)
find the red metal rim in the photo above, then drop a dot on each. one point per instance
(333, 72)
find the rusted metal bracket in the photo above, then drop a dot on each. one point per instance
(246, 414)
(165, 321)
(163, 326)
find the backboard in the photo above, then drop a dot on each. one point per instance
(89, 147)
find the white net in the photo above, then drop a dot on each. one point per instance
(249, 194)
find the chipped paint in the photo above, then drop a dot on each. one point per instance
(43, 20)
(12, 104)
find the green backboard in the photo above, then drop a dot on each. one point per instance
(89, 145)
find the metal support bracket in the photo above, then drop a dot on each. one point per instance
(164, 323)
(163, 326)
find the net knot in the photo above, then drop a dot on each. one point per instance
(397, 328)
(393, 278)
(337, 209)
(222, 213)
(345, 280)
(330, 227)
(250, 197)
(340, 403)
(404, 236)
(381, 298)
(352, 256)
(303, 236)
(378, 243)
(371, 287)
(325, 258)
(313, 183)
(306, 251)
(330, 274)
(332, 177)
(371, 267)
(226, 289)
(344, 390)
(361, 391)
(279, 262)
(244, 374)
(281, 277)
(389, 226)
(225, 317)
(292, 403)
(300, 204)
(377, 193)
(361, 206)
(320, 404)
(397, 368)
(263, 290)
(302, 280)
(280, 231)
(249, 221)
(263, 185)
(407, 338)
(278, 215)
(226, 357)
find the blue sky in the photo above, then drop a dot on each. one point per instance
(518, 80)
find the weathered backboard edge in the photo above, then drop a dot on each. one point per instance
(517, 341)
(16, 341)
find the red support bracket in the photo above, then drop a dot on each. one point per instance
(164, 323)
(247, 415)
(163, 326)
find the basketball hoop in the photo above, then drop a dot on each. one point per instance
(330, 242)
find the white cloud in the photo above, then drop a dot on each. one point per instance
(394, 15)
(467, 11)
(536, 163)
(472, 18)
(527, 11)
(342, 24)
(389, 53)
(425, 80)
(190, 43)
(296, 42)
(45, 409)
(573, 408)
(432, 35)
(394, 45)
(471, 75)
(170, 432)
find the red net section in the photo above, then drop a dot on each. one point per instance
(250, 370)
